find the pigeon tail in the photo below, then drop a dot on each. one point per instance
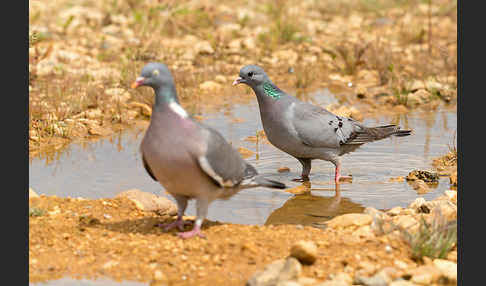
(369, 134)
(261, 181)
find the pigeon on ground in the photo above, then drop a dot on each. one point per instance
(188, 158)
(307, 131)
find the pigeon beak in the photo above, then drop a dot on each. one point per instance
(238, 80)
(138, 82)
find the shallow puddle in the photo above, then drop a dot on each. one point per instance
(107, 167)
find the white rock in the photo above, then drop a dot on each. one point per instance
(304, 251)
(350, 219)
(447, 268)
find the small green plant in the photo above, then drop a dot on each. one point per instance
(34, 211)
(434, 239)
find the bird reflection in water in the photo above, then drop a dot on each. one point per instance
(314, 210)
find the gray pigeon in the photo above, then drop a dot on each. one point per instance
(191, 160)
(307, 131)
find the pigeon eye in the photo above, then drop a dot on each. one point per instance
(250, 74)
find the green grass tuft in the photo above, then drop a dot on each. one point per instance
(33, 211)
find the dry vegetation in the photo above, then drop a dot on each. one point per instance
(83, 56)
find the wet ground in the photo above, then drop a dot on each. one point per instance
(109, 166)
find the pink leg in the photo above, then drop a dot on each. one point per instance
(179, 223)
(202, 211)
(338, 177)
(196, 230)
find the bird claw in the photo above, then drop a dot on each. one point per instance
(191, 233)
(178, 223)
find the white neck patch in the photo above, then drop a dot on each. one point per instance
(174, 106)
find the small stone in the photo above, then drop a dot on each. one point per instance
(397, 179)
(375, 280)
(402, 283)
(342, 277)
(110, 264)
(453, 179)
(394, 211)
(417, 204)
(426, 176)
(364, 232)
(159, 276)
(304, 251)
(304, 281)
(333, 283)
(355, 219)
(452, 256)
(405, 221)
(220, 78)
(283, 169)
(451, 195)
(400, 264)
(425, 274)
(278, 271)
(149, 202)
(298, 190)
(32, 193)
(203, 47)
(245, 153)
(447, 268)
(420, 186)
(420, 96)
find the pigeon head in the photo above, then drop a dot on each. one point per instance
(252, 75)
(154, 75)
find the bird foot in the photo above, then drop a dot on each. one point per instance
(188, 234)
(301, 179)
(344, 179)
(179, 223)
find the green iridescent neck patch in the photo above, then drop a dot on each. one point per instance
(271, 91)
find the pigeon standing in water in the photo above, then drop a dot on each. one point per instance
(307, 131)
(191, 160)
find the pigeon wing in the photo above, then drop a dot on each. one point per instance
(221, 162)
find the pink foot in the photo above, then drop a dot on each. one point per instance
(338, 178)
(188, 234)
(179, 223)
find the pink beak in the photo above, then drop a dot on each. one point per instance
(237, 81)
(138, 82)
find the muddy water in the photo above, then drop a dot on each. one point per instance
(107, 167)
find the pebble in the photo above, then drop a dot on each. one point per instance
(447, 268)
(149, 202)
(32, 194)
(375, 280)
(350, 219)
(276, 272)
(304, 251)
